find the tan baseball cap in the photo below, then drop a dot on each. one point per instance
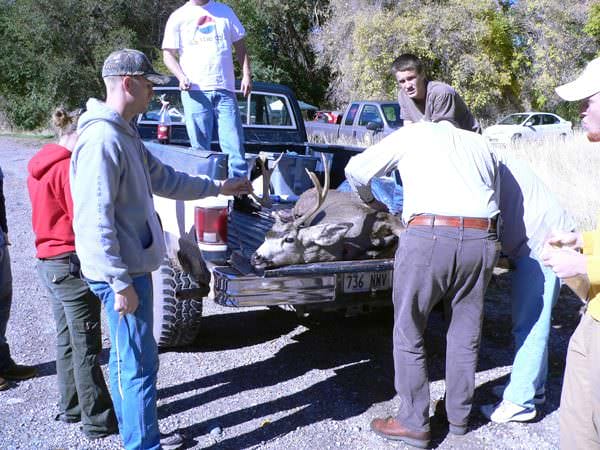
(584, 86)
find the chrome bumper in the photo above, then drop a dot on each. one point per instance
(295, 285)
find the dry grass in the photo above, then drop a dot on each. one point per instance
(570, 169)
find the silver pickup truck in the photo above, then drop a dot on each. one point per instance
(209, 239)
(362, 122)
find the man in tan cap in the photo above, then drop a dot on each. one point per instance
(573, 255)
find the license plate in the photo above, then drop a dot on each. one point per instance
(367, 281)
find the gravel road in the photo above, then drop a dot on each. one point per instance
(258, 378)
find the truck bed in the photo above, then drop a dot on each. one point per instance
(352, 286)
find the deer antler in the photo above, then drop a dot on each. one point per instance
(321, 193)
(265, 200)
(163, 100)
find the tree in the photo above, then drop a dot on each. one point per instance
(467, 44)
(555, 47)
(51, 52)
(499, 55)
(277, 39)
(592, 27)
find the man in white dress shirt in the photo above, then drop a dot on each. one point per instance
(447, 254)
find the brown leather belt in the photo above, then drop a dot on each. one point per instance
(455, 222)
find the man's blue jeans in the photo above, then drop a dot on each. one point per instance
(133, 366)
(202, 109)
(534, 292)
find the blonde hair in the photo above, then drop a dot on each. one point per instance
(65, 122)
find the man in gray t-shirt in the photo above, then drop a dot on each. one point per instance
(430, 101)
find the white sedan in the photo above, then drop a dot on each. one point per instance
(528, 126)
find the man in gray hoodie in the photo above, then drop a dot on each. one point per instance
(118, 236)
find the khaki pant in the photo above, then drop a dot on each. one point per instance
(580, 400)
(81, 386)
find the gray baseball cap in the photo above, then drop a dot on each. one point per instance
(131, 62)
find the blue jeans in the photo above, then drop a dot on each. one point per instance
(201, 109)
(5, 302)
(534, 292)
(133, 366)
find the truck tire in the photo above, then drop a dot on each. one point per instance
(177, 306)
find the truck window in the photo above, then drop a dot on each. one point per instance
(243, 107)
(172, 95)
(267, 109)
(351, 114)
(259, 109)
(391, 111)
(368, 114)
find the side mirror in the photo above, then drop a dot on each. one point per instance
(374, 126)
(529, 123)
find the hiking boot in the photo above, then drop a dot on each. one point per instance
(4, 384)
(171, 441)
(507, 411)
(17, 372)
(390, 428)
(94, 435)
(539, 399)
(62, 417)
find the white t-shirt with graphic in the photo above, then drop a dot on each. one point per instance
(204, 36)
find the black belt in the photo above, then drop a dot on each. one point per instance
(61, 258)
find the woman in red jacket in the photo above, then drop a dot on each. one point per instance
(83, 393)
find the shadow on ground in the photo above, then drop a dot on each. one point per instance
(359, 350)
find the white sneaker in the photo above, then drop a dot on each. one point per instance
(171, 441)
(539, 399)
(506, 411)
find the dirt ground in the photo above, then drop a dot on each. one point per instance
(257, 378)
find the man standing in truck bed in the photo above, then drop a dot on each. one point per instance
(447, 254)
(197, 48)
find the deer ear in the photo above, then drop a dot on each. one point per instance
(328, 234)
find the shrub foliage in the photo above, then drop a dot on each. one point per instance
(501, 55)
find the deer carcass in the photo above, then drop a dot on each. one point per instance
(327, 226)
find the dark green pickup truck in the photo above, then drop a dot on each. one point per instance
(210, 233)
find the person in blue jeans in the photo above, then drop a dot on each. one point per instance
(118, 236)
(9, 370)
(530, 212)
(197, 48)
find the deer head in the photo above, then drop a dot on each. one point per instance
(326, 226)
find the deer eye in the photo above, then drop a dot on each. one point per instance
(289, 240)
